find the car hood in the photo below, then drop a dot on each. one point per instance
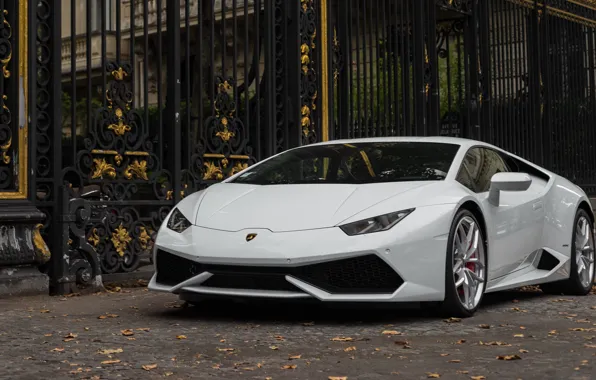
(283, 208)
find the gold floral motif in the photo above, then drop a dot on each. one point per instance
(119, 128)
(103, 169)
(169, 195)
(305, 121)
(5, 61)
(212, 172)
(119, 74)
(144, 238)
(138, 169)
(4, 149)
(183, 192)
(41, 248)
(240, 166)
(118, 159)
(226, 135)
(94, 237)
(121, 238)
(69, 242)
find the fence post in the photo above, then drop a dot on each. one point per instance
(172, 119)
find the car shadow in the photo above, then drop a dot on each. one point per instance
(274, 311)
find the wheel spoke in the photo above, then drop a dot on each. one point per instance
(460, 282)
(474, 276)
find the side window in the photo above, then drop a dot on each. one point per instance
(478, 168)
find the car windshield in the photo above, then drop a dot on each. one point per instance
(358, 163)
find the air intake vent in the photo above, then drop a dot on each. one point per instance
(547, 261)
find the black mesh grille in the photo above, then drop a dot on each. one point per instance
(364, 274)
(172, 269)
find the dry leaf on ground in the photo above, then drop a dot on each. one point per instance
(431, 375)
(455, 361)
(111, 351)
(350, 349)
(274, 348)
(342, 339)
(106, 316)
(289, 366)
(337, 378)
(180, 337)
(477, 377)
(508, 357)
(110, 362)
(225, 349)
(58, 349)
(485, 327)
(391, 332)
(143, 329)
(149, 367)
(452, 320)
(127, 332)
(295, 357)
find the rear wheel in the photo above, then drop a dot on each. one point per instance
(582, 260)
(465, 270)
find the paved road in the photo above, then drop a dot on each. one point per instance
(134, 334)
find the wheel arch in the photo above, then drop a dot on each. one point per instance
(475, 209)
(587, 207)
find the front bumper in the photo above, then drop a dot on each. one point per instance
(404, 266)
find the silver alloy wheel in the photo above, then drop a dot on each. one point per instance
(469, 263)
(584, 251)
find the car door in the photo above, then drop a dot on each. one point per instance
(512, 226)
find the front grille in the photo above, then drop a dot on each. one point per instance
(359, 275)
(364, 274)
(172, 270)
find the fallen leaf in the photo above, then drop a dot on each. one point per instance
(455, 361)
(497, 343)
(127, 332)
(403, 343)
(461, 341)
(508, 357)
(111, 351)
(225, 349)
(70, 336)
(295, 357)
(452, 320)
(110, 362)
(44, 311)
(47, 335)
(486, 327)
(167, 374)
(144, 329)
(391, 332)
(288, 366)
(149, 367)
(58, 349)
(443, 355)
(463, 372)
(477, 377)
(350, 349)
(522, 351)
(274, 348)
(342, 339)
(337, 378)
(106, 316)
(553, 332)
(308, 324)
(280, 338)
(518, 336)
(180, 337)
(590, 345)
(431, 375)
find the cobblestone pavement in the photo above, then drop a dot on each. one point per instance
(135, 334)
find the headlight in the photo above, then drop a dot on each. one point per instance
(376, 224)
(178, 222)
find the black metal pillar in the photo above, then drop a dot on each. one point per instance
(174, 158)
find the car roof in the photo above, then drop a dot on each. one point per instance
(431, 139)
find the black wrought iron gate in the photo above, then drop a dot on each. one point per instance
(135, 104)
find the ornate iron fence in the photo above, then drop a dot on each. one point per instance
(136, 104)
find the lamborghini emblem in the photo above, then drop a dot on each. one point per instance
(251, 237)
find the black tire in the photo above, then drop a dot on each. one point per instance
(573, 285)
(452, 305)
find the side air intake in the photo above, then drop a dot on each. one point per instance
(547, 261)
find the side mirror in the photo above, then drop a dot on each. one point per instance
(507, 182)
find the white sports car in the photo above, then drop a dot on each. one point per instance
(426, 220)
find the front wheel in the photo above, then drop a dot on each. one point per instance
(466, 265)
(581, 277)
